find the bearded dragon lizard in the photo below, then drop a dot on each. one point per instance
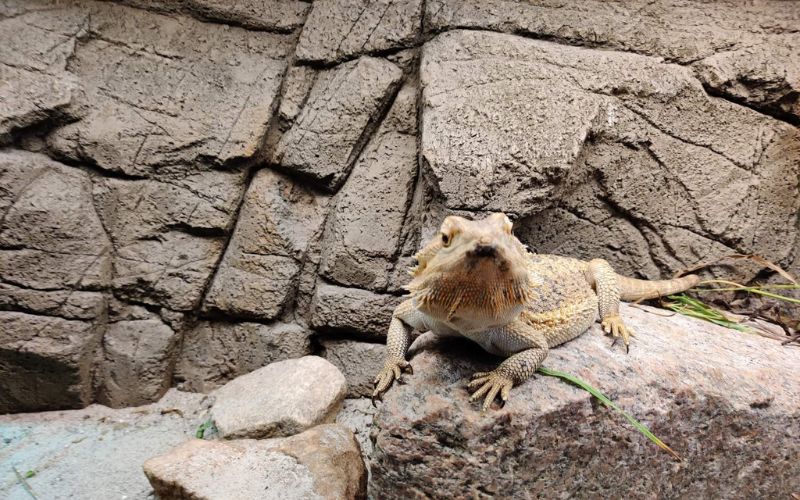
(477, 280)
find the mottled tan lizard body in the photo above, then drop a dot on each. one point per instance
(477, 280)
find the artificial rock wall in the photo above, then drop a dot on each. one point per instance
(191, 189)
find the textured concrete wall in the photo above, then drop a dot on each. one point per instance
(191, 189)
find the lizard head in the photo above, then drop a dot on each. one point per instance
(472, 270)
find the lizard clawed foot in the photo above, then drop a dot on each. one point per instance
(490, 383)
(615, 326)
(392, 370)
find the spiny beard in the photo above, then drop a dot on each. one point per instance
(445, 295)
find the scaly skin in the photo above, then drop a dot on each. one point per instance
(477, 280)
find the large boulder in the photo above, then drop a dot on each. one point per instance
(281, 399)
(716, 396)
(323, 462)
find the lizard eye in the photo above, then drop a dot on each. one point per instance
(445, 239)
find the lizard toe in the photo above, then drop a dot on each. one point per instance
(489, 385)
(613, 325)
(477, 382)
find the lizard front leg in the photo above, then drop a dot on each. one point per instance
(604, 280)
(532, 349)
(397, 341)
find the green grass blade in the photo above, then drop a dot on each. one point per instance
(208, 425)
(760, 290)
(689, 306)
(24, 483)
(603, 399)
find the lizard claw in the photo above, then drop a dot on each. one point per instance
(490, 384)
(392, 370)
(614, 326)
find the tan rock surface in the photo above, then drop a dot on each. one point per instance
(281, 399)
(323, 462)
(718, 397)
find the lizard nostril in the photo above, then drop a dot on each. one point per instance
(482, 250)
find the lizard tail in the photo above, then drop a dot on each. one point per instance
(632, 289)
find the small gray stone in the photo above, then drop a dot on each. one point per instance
(341, 29)
(213, 353)
(331, 128)
(281, 399)
(321, 463)
(360, 362)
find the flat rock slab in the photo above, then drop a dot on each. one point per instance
(330, 130)
(338, 308)
(340, 29)
(323, 462)
(160, 94)
(95, 452)
(281, 399)
(745, 52)
(726, 401)
(278, 221)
